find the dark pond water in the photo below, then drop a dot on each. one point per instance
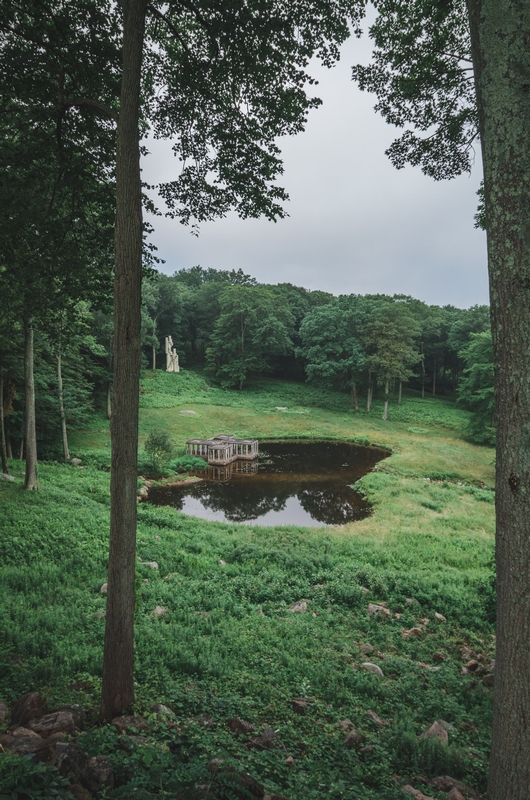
(291, 483)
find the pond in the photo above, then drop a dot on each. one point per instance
(291, 483)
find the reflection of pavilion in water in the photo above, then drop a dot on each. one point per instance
(226, 471)
(221, 450)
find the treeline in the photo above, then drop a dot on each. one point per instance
(234, 328)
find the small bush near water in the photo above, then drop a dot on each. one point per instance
(229, 643)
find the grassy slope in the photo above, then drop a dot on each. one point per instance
(228, 644)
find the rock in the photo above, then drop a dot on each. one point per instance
(367, 750)
(446, 725)
(222, 563)
(77, 712)
(300, 605)
(281, 408)
(238, 725)
(152, 564)
(436, 731)
(263, 742)
(3, 712)
(19, 732)
(488, 681)
(411, 632)
(301, 704)
(353, 739)
(416, 794)
(72, 763)
(125, 722)
(439, 657)
(143, 491)
(161, 709)
(444, 783)
(364, 590)
(290, 761)
(59, 722)
(188, 413)
(203, 720)
(439, 617)
(75, 462)
(454, 794)
(79, 792)
(4, 477)
(29, 706)
(159, 611)
(472, 665)
(373, 716)
(345, 725)
(373, 668)
(43, 749)
(242, 785)
(103, 588)
(377, 608)
(366, 648)
(98, 775)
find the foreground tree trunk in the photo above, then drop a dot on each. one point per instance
(400, 392)
(31, 481)
(3, 445)
(64, 433)
(500, 33)
(354, 399)
(118, 657)
(154, 358)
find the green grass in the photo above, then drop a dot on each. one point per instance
(228, 644)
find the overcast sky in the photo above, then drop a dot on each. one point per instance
(356, 224)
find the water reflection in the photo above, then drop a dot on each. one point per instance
(292, 483)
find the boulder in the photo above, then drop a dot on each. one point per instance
(377, 720)
(488, 681)
(3, 712)
(436, 731)
(353, 739)
(367, 750)
(4, 477)
(152, 564)
(29, 706)
(125, 722)
(345, 725)
(455, 794)
(188, 413)
(42, 749)
(373, 668)
(79, 792)
(300, 606)
(263, 742)
(301, 704)
(366, 649)
(242, 785)
(98, 775)
(377, 608)
(161, 709)
(58, 722)
(103, 588)
(416, 794)
(411, 632)
(143, 491)
(72, 763)
(444, 783)
(290, 761)
(238, 725)
(472, 665)
(76, 462)
(439, 617)
(159, 611)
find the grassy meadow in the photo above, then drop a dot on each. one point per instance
(229, 645)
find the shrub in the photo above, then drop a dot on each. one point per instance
(159, 448)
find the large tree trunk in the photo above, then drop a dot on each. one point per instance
(62, 414)
(400, 392)
(369, 394)
(118, 657)
(154, 358)
(354, 399)
(8, 438)
(31, 481)
(3, 445)
(500, 34)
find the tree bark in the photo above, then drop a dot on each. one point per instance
(369, 394)
(385, 412)
(354, 399)
(21, 450)
(8, 438)
(109, 399)
(422, 372)
(154, 358)
(3, 444)
(31, 482)
(118, 657)
(500, 34)
(400, 392)
(64, 433)
(434, 378)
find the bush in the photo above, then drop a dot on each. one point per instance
(159, 448)
(187, 463)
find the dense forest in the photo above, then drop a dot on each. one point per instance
(233, 328)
